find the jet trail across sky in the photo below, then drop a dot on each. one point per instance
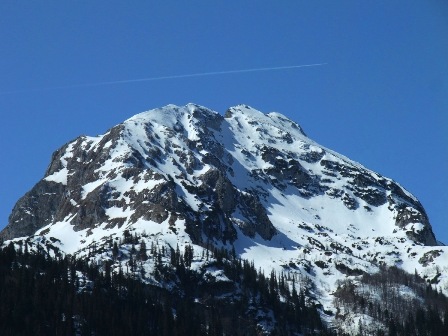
(201, 74)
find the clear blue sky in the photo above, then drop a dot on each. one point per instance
(382, 100)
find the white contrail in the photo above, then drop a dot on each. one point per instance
(202, 74)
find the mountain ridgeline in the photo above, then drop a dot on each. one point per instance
(189, 181)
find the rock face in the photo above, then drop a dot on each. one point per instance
(180, 162)
(249, 181)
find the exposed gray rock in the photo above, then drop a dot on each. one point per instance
(407, 215)
(34, 210)
(257, 219)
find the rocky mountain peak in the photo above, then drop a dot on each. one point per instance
(247, 181)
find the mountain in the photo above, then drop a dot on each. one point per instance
(252, 184)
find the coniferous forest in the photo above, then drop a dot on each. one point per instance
(40, 295)
(424, 313)
(64, 296)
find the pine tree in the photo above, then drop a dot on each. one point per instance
(115, 250)
(142, 253)
(188, 255)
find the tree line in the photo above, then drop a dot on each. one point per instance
(404, 303)
(41, 295)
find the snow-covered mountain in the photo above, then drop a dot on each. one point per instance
(249, 182)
